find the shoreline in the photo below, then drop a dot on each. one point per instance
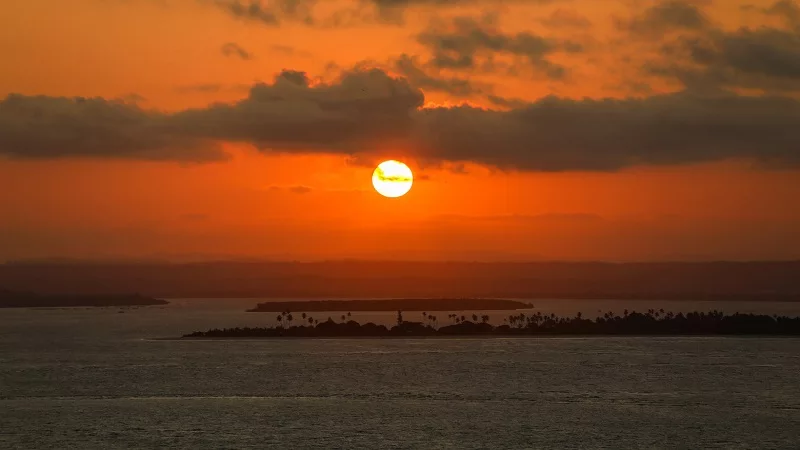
(302, 299)
(652, 323)
(473, 337)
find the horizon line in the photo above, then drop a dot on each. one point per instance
(245, 260)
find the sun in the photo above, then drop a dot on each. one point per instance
(392, 179)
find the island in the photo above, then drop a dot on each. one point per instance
(12, 299)
(401, 304)
(650, 323)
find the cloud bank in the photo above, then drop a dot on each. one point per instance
(368, 111)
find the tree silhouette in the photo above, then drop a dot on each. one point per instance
(652, 323)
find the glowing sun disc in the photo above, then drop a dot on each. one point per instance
(392, 179)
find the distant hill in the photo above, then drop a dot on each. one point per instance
(376, 279)
(10, 299)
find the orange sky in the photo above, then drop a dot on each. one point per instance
(315, 202)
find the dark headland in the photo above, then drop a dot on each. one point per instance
(651, 323)
(10, 299)
(403, 304)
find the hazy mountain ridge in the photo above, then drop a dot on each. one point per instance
(691, 281)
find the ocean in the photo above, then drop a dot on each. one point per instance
(98, 378)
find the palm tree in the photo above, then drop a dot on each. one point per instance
(279, 318)
(289, 318)
(303, 316)
(343, 318)
(474, 317)
(311, 321)
(348, 314)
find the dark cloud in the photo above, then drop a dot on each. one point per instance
(275, 12)
(459, 44)
(410, 68)
(287, 50)
(271, 12)
(290, 114)
(366, 112)
(666, 16)
(52, 127)
(762, 58)
(703, 56)
(393, 11)
(133, 98)
(566, 18)
(789, 10)
(765, 51)
(506, 102)
(388, 7)
(234, 49)
(410, 3)
(556, 134)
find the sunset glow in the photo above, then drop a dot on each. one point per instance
(609, 130)
(392, 179)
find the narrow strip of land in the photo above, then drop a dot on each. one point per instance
(10, 299)
(652, 323)
(402, 304)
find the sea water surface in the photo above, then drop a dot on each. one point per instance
(97, 378)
